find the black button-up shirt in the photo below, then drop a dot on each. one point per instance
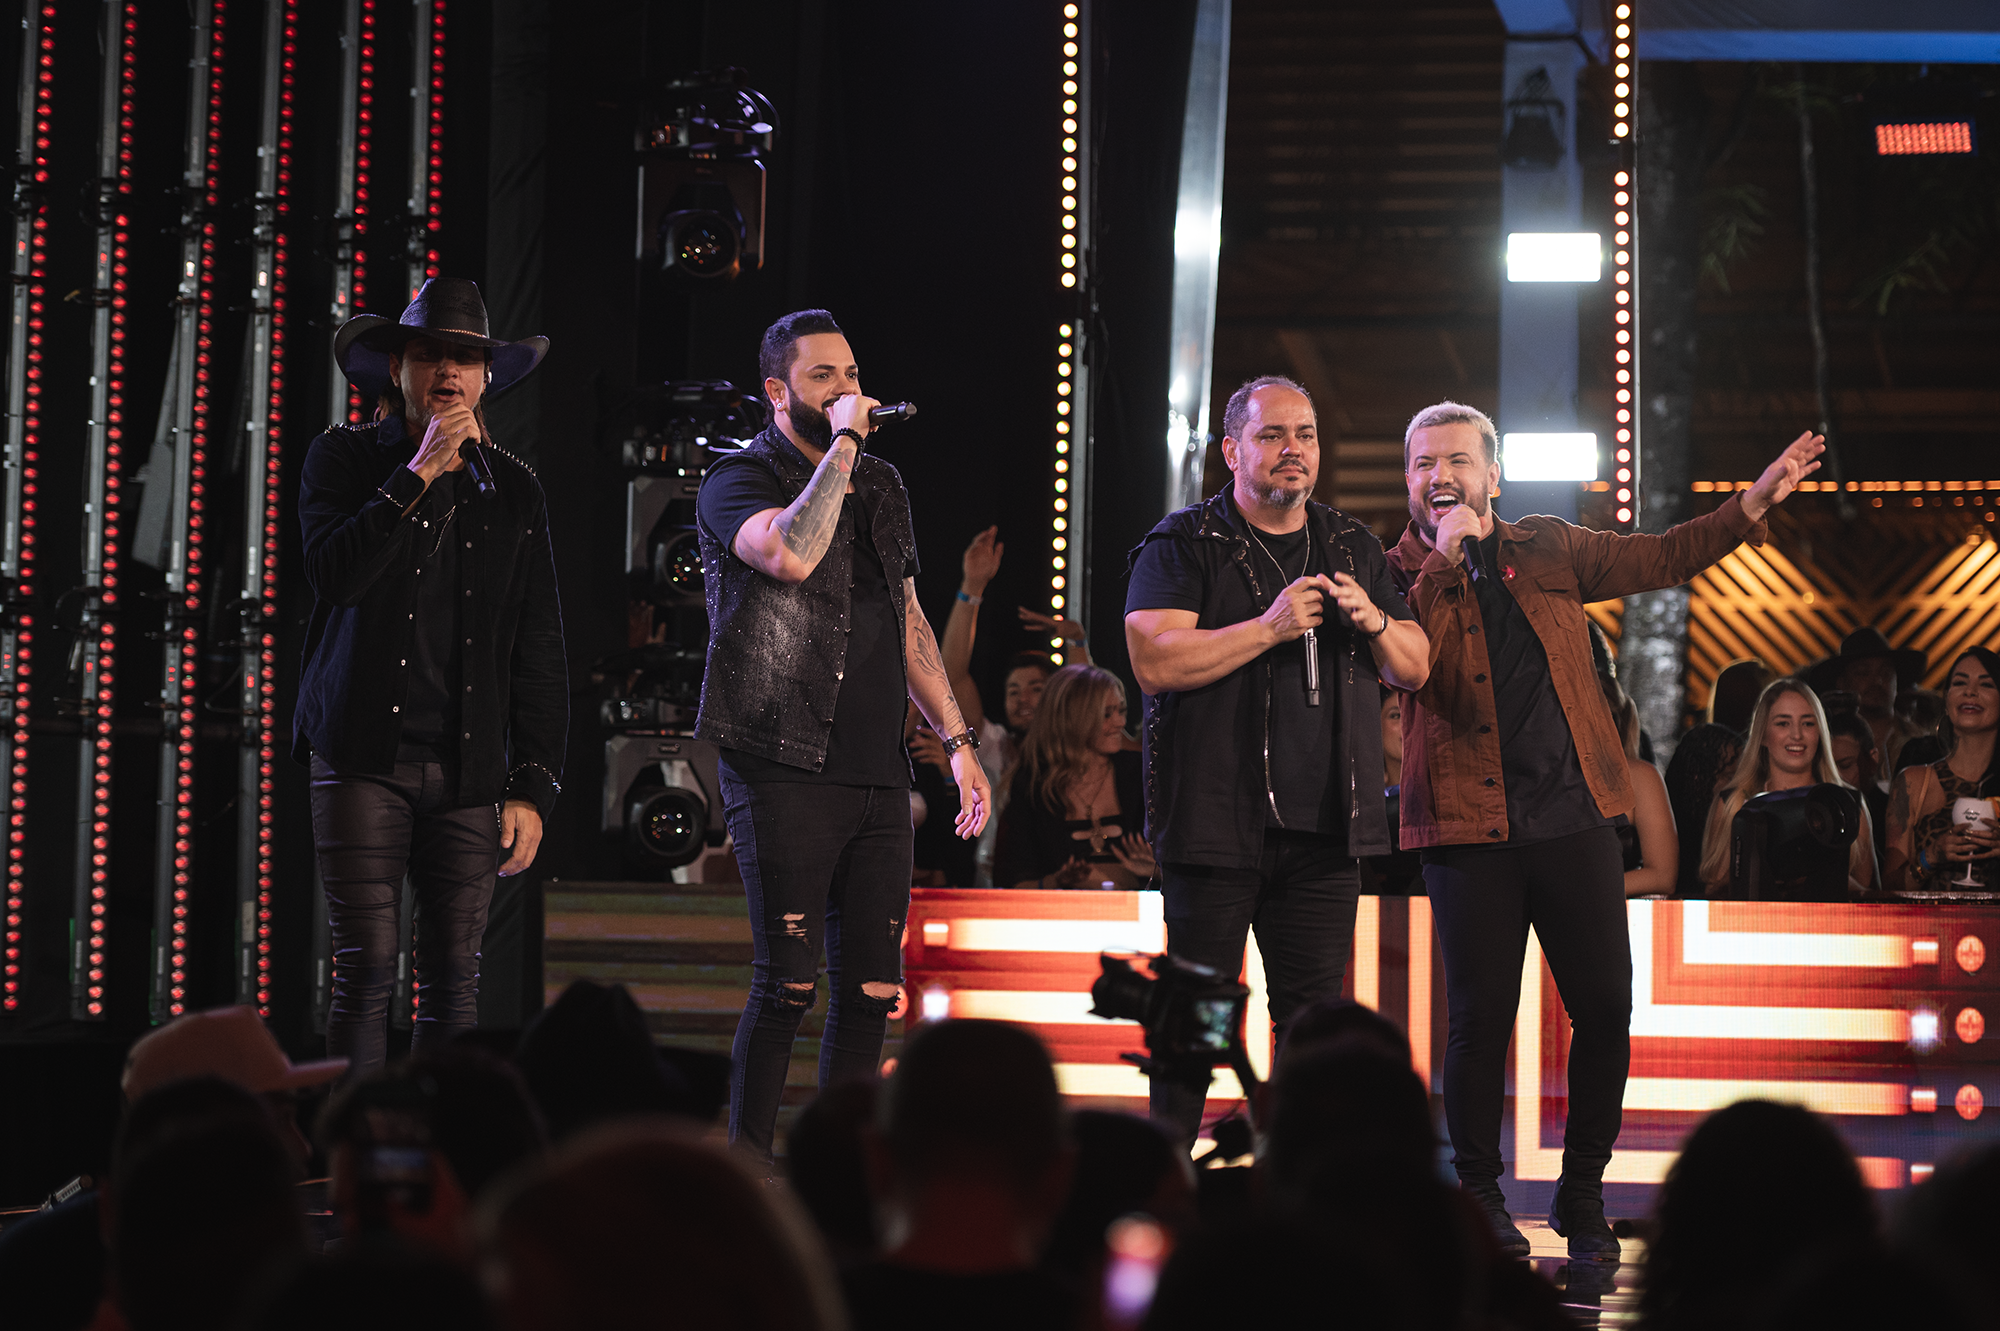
(364, 543)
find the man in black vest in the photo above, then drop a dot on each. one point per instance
(434, 700)
(815, 641)
(1263, 737)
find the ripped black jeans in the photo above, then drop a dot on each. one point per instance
(821, 864)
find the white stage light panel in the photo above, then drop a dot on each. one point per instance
(1549, 457)
(1554, 256)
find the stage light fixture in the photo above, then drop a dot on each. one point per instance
(701, 176)
(351, 192)
(1554, 256)
(1931, 139)
(1535, 125)
(1549, 457)
(1072, 258)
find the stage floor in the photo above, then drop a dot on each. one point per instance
(1600, 1296)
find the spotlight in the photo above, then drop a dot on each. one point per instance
(1928, 117)
(1535, 116)
(1554, 256)
(701, 176)
(1792, 845)
(662, 800)
(1549, 457)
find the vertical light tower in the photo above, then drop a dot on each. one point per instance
(1069, 584)
(1625, 264)
(35, 92)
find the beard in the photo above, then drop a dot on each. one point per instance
(1427, 521)
(810, 422)
(1274, 493)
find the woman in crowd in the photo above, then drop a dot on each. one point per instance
(1701, 765)
(1785, 747)
(1651, 846)
(1927, 846)
(1075, 813)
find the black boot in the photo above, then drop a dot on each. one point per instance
(1486, 1192)
(1578, 1215)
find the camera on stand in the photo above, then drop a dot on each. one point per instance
(661, 801)
(1192, 1017)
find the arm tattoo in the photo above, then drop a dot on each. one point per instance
(930, 689)
(808, 525)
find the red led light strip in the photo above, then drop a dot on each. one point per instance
(364, 142)
(1624, 272)
(25, 395)
(1940, 137)
(434, 155)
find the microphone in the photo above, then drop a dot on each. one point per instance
(900, 411)
(1470, 544)
(1312, 667)
(475, 462)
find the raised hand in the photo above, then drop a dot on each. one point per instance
(1799, 460)
(1066, 629)
(982, 561)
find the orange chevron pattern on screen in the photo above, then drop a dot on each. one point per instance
(1928, 578)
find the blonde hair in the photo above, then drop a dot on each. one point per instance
(1059, 743)
(1753, 770)
(1452, 413)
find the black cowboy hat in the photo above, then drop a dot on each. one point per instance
(1867, 643)
(449, 309)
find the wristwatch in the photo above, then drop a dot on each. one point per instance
(957, 742)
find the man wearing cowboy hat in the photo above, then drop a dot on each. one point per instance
(434, 701)
(1874, 672)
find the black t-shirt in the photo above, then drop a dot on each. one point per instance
(431, 705)
(866, 745)
(1546, 793)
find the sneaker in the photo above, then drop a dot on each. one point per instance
(1486, 1192)
(1577, 1213)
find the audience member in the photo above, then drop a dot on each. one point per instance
(1392, 738)
(1786, 749)
(1950, 1227)
(589, 1057)
(826, 1159)
(1736, 691)
(412, 1148)
(1863, 1288)
(1125, 1165)
(1075, 812)
(1702, 763)
(381, 1285)
(970, 1165)
(52, 1264)
(1923, 708)
(633, 1226)
(1758, 1189)
(202, 1207)
(1857, 759)
(1932, 844)
(1648, 840)
(1868, 667)
(1325, 1020)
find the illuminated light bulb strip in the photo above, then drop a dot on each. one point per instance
(256, 785)
(434, 172)
(1066, 545)
(426, 145)
(24, 395)
(104, 472)
(364, 147)
(1624, 259)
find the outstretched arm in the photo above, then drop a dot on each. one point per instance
(981, 562)
(930, 690)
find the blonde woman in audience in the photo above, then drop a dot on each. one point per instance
(1787, 745)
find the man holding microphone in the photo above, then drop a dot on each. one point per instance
(1514, 782)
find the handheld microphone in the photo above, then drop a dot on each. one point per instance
(475, 462)
(1470, 544)
(900, 411)
(1312, 667)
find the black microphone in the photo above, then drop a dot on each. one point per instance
(1470, 545)
(901, 411)
(475, 462)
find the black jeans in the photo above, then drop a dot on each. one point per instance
(370, 831)
(1299, 898)
(821, 865)
(1572, 889)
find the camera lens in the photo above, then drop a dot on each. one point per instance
(666, 825)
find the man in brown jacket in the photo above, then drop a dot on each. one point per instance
(1514, 784)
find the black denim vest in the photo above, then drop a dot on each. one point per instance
(1208, 795)
(777, 652)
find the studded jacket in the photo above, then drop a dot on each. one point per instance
(361, 564)
(1452, 792)
(777, 651)
(1207, 750)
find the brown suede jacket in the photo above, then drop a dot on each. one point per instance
(1452, 793)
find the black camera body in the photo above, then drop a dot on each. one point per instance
(1792, 845)
(1192, 1016)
